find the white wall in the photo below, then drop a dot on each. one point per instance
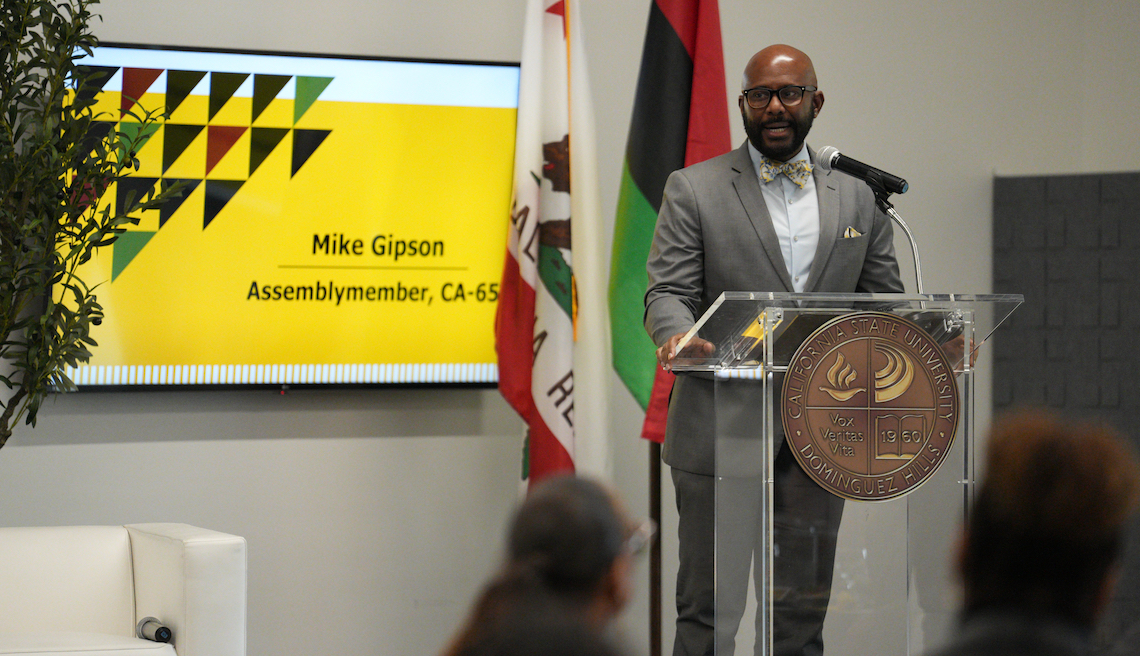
(373, 516)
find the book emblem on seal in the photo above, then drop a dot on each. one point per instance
(870, 406)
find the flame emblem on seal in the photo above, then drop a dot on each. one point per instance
(841, 375)
(891, 382)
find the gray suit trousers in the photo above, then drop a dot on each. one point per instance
(723, 517)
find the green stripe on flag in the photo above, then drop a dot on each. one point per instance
(658, 129)
(634, 354)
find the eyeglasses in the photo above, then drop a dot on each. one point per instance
(641, 537)
(759, 97)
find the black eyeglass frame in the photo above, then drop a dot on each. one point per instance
(804, 89)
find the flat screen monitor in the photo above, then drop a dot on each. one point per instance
(343, 220)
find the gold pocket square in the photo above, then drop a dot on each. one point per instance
(851, 232)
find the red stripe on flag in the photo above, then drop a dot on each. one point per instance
(698, 24)
(708, 123)
(655, 414)
(547, 455)
(514, 339)
(683, 15)
(514, 344)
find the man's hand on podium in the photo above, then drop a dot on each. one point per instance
(955, 350)
(696, 348)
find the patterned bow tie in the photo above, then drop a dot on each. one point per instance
(797, 171)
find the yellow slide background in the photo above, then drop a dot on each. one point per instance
(417, 173)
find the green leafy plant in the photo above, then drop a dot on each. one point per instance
(58, 158)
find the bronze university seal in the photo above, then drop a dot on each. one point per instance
(870, 406)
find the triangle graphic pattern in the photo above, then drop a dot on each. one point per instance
(126, 248)
(222, 88)
(130, 191)
(218, 194)
(135, 131)
(265, 89)
(171, 206)
(308, 89)
(93, 79)
(305, 143)
(136, 81)
(262, 141)
(179, 84)
(176, 139)
(219, 140)
(96, 136)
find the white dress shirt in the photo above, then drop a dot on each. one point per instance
(795, 217)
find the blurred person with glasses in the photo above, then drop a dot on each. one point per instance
(763, 217)
(570, 555)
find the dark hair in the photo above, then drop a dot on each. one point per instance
(561, 545)
(1049, 519)
(567, 534)
(537, 631)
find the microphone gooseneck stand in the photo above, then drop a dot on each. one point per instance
(881, 196)
(951, 324)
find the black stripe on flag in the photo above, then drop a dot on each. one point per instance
(660, 124)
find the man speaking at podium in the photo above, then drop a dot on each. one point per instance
(764, 217)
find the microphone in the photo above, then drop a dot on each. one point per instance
(149, 628)
(830, 158)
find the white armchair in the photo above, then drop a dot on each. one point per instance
(81, 590)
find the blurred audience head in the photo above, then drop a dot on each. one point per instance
(569, 555)
(1048, 523)
(538, 631)
(571, 537)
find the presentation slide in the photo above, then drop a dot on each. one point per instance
(343, 220)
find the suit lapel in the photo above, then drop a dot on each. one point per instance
(827, 194)
(748, 191)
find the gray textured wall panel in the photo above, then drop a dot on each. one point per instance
(1071, 245)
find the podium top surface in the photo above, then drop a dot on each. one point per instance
(746, 330)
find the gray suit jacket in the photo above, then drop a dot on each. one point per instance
(713, 235)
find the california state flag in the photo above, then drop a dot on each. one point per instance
(551, 325)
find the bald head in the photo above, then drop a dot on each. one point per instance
(779, 59)
(778, 128)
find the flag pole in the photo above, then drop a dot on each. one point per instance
(668, 131)
(655, 550)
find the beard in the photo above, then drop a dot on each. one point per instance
(782, 150)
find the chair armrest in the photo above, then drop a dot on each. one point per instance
(194, 581)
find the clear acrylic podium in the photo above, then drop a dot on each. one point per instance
(890, 588)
